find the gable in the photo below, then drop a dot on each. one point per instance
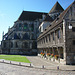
(70, 14)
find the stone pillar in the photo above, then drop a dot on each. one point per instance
(60, 35)
(64, 39)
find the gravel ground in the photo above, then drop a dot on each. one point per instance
(8, 69)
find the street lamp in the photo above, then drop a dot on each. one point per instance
(70, 26)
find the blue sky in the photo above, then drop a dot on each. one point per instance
(10, 10)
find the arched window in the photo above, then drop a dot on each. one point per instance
(16, 45)
(58, 34)
(32, 27)
(19, 35)
(53, 36)
(32, 37)
(16, 36)
(20, 26)
(26, 36)
(25, 26)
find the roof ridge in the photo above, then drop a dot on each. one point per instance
(34, 11)
(66, 10)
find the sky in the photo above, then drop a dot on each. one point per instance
(10, 10)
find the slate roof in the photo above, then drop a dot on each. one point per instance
(59, 19)
(56, 8)
(31, 16)
(48, 18)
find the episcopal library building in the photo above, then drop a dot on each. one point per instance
(36, 32)
(58, 38)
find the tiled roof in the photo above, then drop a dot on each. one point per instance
(31, 16)
(57, 7)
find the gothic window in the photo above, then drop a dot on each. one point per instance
(16, 45)
(46, 39)
(25, 26)
(32, 36)
(58, 34)
(53, 36)
(49, 37)
(20, 26)
(32, 27)
(15, 36)
(26, 36)
(19, 35)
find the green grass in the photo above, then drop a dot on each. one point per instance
(17, 58)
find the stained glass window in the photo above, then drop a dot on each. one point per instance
(25, 26)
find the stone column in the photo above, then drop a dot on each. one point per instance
(64, 39)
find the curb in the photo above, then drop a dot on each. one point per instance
(30, 65)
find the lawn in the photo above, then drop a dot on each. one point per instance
(17, 58)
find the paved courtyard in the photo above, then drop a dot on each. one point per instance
(38, 62)
(9, 69)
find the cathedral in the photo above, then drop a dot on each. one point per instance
(22, 37)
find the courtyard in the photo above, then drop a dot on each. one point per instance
(50, 68)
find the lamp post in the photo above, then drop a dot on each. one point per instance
(70, 26)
